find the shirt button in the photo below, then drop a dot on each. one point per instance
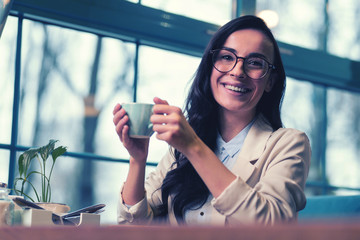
(201, 213)
(222, 150)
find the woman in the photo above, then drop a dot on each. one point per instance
(230, 161)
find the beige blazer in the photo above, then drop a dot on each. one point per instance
(271, 171)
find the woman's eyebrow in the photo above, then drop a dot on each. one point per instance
(230, 49)
(256, 54)
(253, 54)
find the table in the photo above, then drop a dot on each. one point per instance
(325, 231)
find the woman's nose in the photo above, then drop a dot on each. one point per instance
(238, 70)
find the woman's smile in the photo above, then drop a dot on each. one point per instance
(237, 88)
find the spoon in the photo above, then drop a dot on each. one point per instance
(55, 218)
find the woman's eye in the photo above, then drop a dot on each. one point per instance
(227, 58)
(255, 62)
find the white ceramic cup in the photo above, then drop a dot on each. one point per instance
(139, 119)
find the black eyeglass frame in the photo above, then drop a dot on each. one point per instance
(271, 66)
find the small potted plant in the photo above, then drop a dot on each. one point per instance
(40, 193)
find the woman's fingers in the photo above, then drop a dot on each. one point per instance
(120, 120)
(164, 114)
(162, 109)
(121, 127)
(169, 123)
(116, 108)
(118, 113)
(160, 101)
(125, 139)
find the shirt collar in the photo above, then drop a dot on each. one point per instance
(234, 145)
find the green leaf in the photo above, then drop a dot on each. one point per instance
(21, 165)
(58, 152)
(47, 149)
(25, 159)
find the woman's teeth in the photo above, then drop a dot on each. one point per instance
(237, 89)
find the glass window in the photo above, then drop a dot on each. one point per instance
(71, 81)
(297, 108)
(4, 163)
(293, 22)
(343, 138)
(7, 75)
(302, 109)
(166, 75)
(212, 11)
(339, 34)
(344, 31)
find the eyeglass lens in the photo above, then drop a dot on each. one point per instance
(225, 60)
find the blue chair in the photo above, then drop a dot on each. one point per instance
(330, 208)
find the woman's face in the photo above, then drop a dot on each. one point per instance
(234, 91)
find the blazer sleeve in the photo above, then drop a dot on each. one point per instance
(144, 211)
(275, 190)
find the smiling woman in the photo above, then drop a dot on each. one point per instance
(208, 175)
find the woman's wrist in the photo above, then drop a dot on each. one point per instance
(133, 190)
(138, 162)
(194, 149)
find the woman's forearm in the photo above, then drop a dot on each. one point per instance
(133, 190)
(211, 170)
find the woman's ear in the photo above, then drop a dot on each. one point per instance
(270, 82)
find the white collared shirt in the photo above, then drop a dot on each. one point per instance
(227, 152)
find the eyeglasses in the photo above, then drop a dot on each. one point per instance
(254, 67)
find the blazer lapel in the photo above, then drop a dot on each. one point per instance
(252, 149)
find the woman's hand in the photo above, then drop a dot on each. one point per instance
(137, 148)
(171, 126)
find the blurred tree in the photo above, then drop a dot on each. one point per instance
(319, 121)
(53, 46)
(91, 116)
